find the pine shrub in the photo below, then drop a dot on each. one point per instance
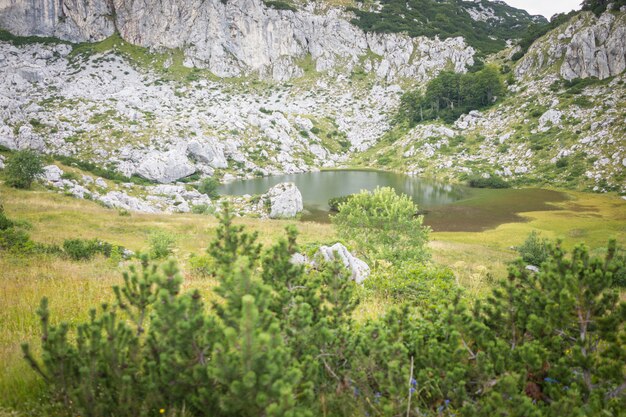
(280, 339)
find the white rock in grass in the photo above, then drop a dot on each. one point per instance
(359, 269)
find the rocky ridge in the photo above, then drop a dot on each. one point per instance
(238, 37)
(146, 113)
(587, 46)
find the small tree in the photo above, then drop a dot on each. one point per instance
(22, 168)
(534, 250)
(209, 187)
(161, 244)
(383, 225)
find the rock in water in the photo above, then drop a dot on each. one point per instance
(360, 270)
(165, 167)
(285, 201)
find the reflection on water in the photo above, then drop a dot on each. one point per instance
(318, 187)
(448, 207)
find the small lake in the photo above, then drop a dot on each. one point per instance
(447, 207)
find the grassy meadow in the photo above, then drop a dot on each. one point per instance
(477, 258)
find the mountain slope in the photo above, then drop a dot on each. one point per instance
(562, 123)
(161, 112)
(486, 25)
(241, 37)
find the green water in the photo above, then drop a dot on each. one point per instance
(447, 207)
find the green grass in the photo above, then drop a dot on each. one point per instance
(477, 259)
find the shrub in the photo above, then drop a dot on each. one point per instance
(491, 182)
(22, 168)
(79, 249)
(280, 5)
(82, 249)
(383, 225)
(278, 339)
(5, 222)
(534, 250)
(562, 162)
(335, 202)
(202, 265)
(424, 285)
(16, 241)
(209, 186)
(161, 244)
(202, 209)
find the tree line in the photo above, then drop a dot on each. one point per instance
(451, 94)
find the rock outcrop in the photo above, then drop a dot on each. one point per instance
(588, 46)
(72, 20)
(358, 268)
(284, 201)
(165, 167)
(238, 37)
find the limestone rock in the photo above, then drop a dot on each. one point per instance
(237, 37)
(52, 173)
(285, 201)
(73, 20)
(359, 269)
(588, 47)
(165, 167)
(550, 118)
(208, 152)
(101, 183)
(118, 199)
(1, 161)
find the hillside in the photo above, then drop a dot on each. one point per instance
(172, 94)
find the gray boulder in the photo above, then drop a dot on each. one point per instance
(118, 199)
(285, 201)
(1, 162)
(52, 173)
(211, 153)
(101, 183)
(359, 269)
(165, 167)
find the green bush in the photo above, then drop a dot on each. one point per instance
(5, 222)
(209, 186)
(278, 339)
(335, 202)
(202, 209)
(162, 244)
(81, 249)
(382, 225)
(16, 241)
(424, 285)
(202, 265)
(491, 182)
(22, 168)
(534, 250)
(562, 162)
(71, 176)
(280, 5)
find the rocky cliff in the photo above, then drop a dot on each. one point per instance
(586, 46)
(238, 37)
